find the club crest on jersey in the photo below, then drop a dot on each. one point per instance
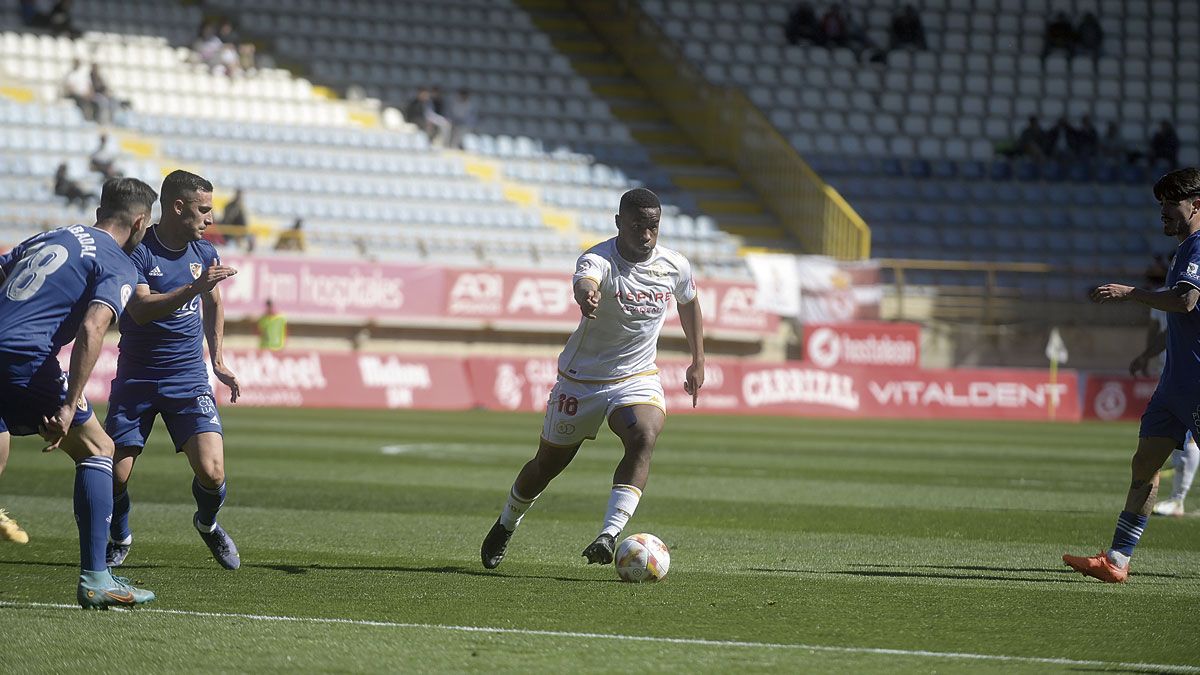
(196, 269)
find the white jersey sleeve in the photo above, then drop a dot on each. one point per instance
(685, 289)
(590, 266)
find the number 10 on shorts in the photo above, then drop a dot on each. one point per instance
(568, 405)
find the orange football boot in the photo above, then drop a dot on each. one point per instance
(1097, 567)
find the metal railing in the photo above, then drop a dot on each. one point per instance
(728, 127)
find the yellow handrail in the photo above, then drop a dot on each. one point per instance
(728, 127)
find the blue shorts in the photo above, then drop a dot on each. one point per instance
(28, 393)
(133, 404)
(1170, 416)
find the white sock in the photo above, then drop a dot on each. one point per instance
(1117, 558)
(621, 504)
(1185, 461)
(123, 542)
(514, 509)
(206, 529)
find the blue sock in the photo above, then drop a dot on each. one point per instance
(1130, 527)
(93, 510)
(208, 502)
(119, 530)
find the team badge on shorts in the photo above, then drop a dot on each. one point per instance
(196, 268)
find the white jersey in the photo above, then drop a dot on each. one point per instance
(622, 341)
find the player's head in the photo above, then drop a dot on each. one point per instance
(1178, 194)
(186, 203)
(126, 203)
(637, 223)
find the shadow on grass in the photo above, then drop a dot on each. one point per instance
(963, 572)
(443, 569)
(318, 567)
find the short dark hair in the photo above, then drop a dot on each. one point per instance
(639, 198)
(125, 196)
(180, 182)
(1178, 185)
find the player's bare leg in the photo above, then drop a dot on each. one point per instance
(120, 536)
(92, 451)
(206, 454)
(533, 478)
(9, 529)
(1112, 566)
(638, 427)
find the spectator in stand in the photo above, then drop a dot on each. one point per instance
(841, 30)
(272, 329)
(1089, 36)
(77, 86)
(36, 13)
(104, 159)
(234, 221)
(1164, 145)
(462, 114)
(802, 26)
(1032, 142)
(207, 45)
(421, 112)
(1112, 146)
(293, 239)
(59, 20)
(1060, 36)
(71, 190)
(102, 99)
(229, 57)
(907, 29)
(1083, 141)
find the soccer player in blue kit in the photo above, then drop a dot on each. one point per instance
(1174, 409)
(58, 286)
(160, 368)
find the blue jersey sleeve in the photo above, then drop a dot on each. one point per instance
(1187, 261)
(9, 260)
(114, 284)
(209, 253)
(141, 264)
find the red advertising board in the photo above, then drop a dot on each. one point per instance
(862, 343)
(392, 381)
(333, 290)
(352, 291)
(310, 379)
(1117, 397)
(796, 389)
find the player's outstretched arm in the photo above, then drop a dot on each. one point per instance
(146, 306)
(693, 329)
(88, 343)
(214, 332)
(1181, 298)
(587, 295)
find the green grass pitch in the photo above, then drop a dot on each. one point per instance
(797, 545)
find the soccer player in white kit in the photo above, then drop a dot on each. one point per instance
(607, 370)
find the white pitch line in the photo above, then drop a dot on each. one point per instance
(1156, 667)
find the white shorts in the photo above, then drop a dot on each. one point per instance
(576, 410)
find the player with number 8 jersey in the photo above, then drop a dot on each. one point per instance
(607, 372)
(161, 371)
(58, 286)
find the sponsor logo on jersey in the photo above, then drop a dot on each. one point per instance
(195, 268)
(156, 272)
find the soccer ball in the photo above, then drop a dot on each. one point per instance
(642, 557)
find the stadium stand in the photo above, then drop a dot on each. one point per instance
(364, 181)
(927, 123)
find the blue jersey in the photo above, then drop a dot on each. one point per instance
(171, 348)
(48, 282)
(1181, 373)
